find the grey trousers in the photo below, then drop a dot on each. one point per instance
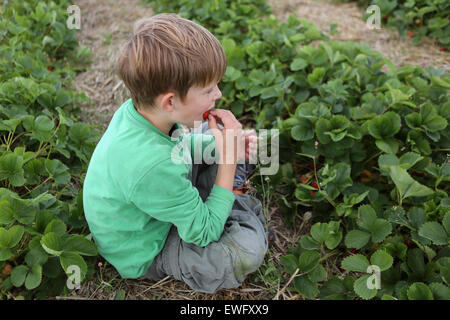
(221, 264)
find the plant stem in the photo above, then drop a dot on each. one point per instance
(328, 255)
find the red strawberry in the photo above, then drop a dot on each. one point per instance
(7, 269)
(442, 49)
(354, 251)
(408, 243)
(312, 193)
(311, 165)
(205, 115)
(303, 179)
(419, 25)
(314, 185)
(49, 68)
(410, 34)
(418, 174)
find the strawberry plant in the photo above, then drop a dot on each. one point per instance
(364, 149)
(426, 18)
(44, 152)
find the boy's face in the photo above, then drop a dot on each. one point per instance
(198, 101)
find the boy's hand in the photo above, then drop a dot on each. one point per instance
(231, 126)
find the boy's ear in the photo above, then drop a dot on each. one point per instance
(167, 102)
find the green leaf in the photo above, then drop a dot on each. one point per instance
(406, 185)
(356, 262)
(34, 277)
(15, 235)
(440, 291)
(444, 269)
(362, 290)
(318, 274)
(384, 126)
(380, 230)
(419, 291)
(415, 261)
(56, 226)
(308, 260)
(5, 254)
(434, 232)
(446, 222)
(11, 168)
(36, 256)
(333, 239)
(58, 170)
(308, 243)
(298, 64)
(316, 77)
(306, 287)
(356, 239)
(303, 131)
(80, 245)
(388, 145)
(289, 262)
(333, 289)
(319, 232)
(18, 275)
(368, 216)
(382, 259)
(7, 215)
(51, 242)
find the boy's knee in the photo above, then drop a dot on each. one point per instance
(247, 255)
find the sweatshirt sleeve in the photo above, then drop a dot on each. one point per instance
(166, 194)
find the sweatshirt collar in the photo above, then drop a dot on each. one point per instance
(131, 110)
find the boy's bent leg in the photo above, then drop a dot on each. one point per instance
(221, 264)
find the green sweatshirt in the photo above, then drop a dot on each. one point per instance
(135, 190)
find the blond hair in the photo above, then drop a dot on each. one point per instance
(168, 53)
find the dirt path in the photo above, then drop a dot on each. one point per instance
(105, 25)
(348, 17)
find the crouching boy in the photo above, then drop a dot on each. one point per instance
(149, 215)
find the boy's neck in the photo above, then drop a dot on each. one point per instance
(158, 123)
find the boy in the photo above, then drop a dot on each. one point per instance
(150, 215)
